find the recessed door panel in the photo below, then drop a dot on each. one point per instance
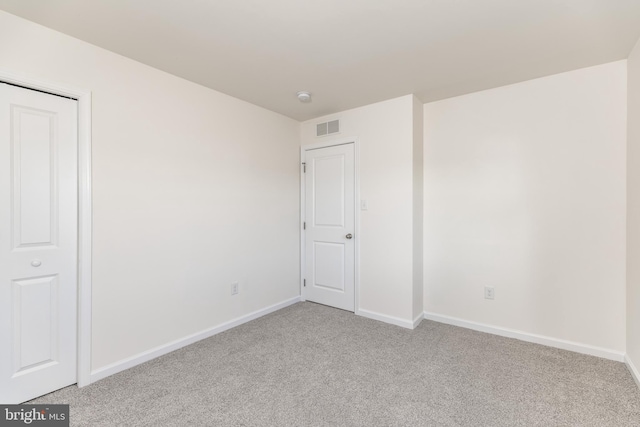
(328, 191)
(35, 322)
(34, 194)
(329, 265)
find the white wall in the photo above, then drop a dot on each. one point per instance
(385, 133)
(633, 207)
(525, 192)
(192, 190)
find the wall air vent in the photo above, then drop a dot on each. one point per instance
(328, 128)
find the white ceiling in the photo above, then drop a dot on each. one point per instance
(348, 53)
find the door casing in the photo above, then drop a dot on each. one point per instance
(356, 237)
(84, 209)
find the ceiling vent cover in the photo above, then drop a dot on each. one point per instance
(328, 128)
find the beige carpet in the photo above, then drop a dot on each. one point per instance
(310, 365)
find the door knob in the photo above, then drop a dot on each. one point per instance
(36, 263)
(349, 236)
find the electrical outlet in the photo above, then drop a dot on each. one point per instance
(235, 288)
(489, 292)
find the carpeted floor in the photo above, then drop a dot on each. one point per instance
(310, 365)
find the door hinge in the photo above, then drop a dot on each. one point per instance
(304, 225)
(304, 168)
(304, 283)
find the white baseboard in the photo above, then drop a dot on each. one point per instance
(132, 361)
(417, 320)
(386, 319)
(632, 368)
(525, 336)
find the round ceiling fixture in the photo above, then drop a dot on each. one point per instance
(304, 96)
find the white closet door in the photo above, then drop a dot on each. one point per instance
(38, 243)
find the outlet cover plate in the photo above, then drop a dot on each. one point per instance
(489, 292)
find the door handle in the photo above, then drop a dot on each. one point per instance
(348, 236)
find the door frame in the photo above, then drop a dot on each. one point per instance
(356, 171)
(84, 210)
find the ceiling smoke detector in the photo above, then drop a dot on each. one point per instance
(304, 96)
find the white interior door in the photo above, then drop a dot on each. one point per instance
(330, 222)
(38, 243)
